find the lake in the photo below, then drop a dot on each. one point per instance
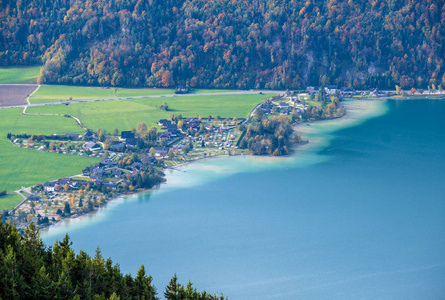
(357, 213)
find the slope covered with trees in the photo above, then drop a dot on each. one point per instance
(222, 44)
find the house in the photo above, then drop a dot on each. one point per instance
(164, 123)
(112, 185)
(88, 134)
(92, 167)
(117, 147)
(98, 171)
(94, 178)
(49, 186)
(347, 91)
(283, 105)
(173, 129)
(74, 185)
(296, 100)
(149, 160)
(194, 125)
(117, 173)
(181, 90)
(127, 135)
(34, 198)
(165, 135)
(96, 181)
(161, 151)
(266, 108)
(131, 142)
(310, 89)
(64, 181)
(107, 163)
(284, 110)
(331, 89)
(92, 146)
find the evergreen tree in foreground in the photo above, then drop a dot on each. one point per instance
(30, 270)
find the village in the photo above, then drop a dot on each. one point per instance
(134, 160)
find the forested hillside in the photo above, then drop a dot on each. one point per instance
(227, 43)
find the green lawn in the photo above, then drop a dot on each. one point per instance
(56, 93)
(313, 103)
(10, 200)
(22, 167)
(125, 114)
(19, 75)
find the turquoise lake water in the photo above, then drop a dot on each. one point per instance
(357, 213)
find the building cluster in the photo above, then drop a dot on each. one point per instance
(347, 91)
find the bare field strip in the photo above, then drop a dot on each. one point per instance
(15, 94)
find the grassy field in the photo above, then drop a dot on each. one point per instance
(212, 91)
(23, 167)
(313, 103)
(125, 114)
(56, 93)
(10, 200)
(19, 75)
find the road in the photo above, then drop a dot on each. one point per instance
(147, 97)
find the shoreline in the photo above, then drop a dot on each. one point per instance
(399, 97)
(174, 168)
(178, 166)
(95, 210)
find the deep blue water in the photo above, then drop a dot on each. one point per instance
(360, 216)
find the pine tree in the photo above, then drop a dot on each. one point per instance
(67, 208)
(172, 291)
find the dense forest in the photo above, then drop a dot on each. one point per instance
(30, 270)
(226, 43)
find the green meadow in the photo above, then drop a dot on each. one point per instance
(125, 114)
(10, 200)
(19, 75)
(22, 167)
(212, 91)
(56, 93)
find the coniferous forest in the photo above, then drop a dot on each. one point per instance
(30, 270)
(227, 44)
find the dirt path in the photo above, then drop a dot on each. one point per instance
(70, 116)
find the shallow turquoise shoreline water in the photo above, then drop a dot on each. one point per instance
(358, 212)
